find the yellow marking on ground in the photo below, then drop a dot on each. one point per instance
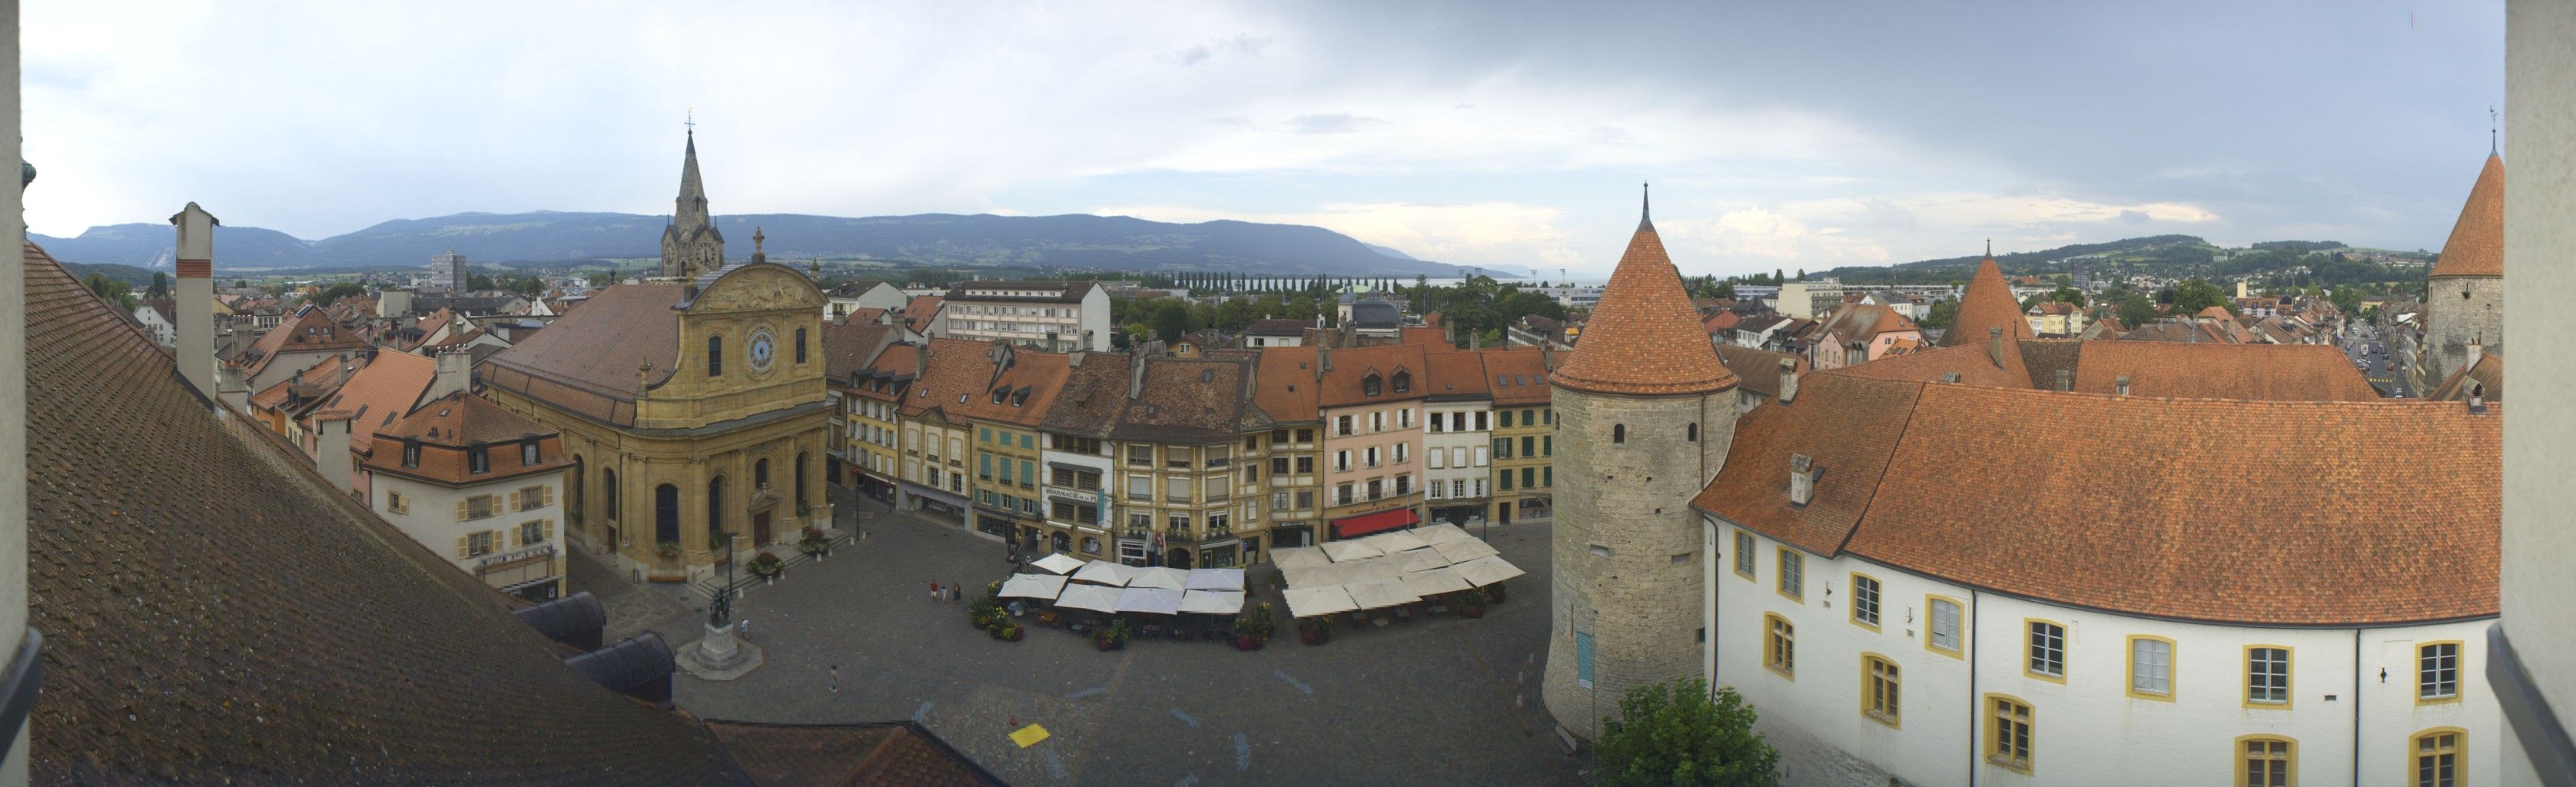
(1029, 736)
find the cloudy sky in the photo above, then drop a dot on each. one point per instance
(1777, 135)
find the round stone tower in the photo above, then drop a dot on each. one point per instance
(2464, 294)
(1644, 413)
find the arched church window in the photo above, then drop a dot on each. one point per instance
(800, 345)
(715, 356)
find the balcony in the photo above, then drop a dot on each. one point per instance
(1137, 533)
(1219, 496)
(1214, 536)
(1177, 497)
(1140, 497)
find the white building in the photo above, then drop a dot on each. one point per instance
(852, 296)
(1458, 438)
(1910, 583)
(1810, 299)
(448, 271)
(156, 320)
(478, 485)
(1056, 316)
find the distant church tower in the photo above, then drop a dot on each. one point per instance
(2464, 295)
(691, 245)
(1646, 413)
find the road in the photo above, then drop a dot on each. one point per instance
(2369, 351)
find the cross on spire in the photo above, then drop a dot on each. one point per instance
(1990, 248)
(691, 121)
(1646, 207)
(2491, 130)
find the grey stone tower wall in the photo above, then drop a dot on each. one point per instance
(2453, 322)
(1641, 606)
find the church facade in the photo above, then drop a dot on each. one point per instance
(693, 408)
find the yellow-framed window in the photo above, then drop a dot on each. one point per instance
(1880, 689)
(2009, 732)
(2439, 757)
(1793, 574)
(1780, 646)
(2437, 672)
(2044, 644)
(2151, 668)
(2267, 676)
(1946, 630)
(2266, 761)
(1866, 598)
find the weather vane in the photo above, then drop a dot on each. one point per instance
(692, 121)
(2491, 129)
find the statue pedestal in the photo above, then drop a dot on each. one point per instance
(722, 655)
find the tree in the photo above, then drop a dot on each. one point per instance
(478, 282)
(1941, 315)
(2136, 310)
(339, 290)
(1173, 318)
(115, 291)
(1677, 734)
(160, 285)
(2067, 295)
(1726, 290)
(602, 278)
(2191, 296)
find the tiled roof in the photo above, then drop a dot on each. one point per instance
(586, 361)
(2282, 541)
(380, 394)
(919, 312)
(1520, 374)
(2487, 374)
(1048, 291)
(1975, 364)
(321, 379)
(308, 331)
(1988, 303)
(2476, 247)
(215, 612)
(1343, 383)
(1190, 400)
(898, 754)
(850, 345)
(1862, 323)
(1093, 395)
(1432, 338)
(1757, 370)
(1287, 389)
(1643, 337)
(448, 426)
(1278, 327)
(2260, 372)
(963, 377)
(1457, 375)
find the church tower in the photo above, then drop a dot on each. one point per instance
(1645, 412)
(2464, 295)
(691, 245)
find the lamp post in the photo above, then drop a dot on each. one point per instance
(721, 609)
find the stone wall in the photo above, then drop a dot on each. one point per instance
(2455, 322)
(1627, 546)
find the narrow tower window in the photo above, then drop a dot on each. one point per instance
(715, 356)
(1694, 432)
(1619, 434)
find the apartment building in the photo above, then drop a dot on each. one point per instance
(1457, 448)
(1057, 316)
(1370, 400)
(1524, 436)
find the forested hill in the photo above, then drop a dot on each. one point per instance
(2164, 257)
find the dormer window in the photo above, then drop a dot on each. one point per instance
(528, 452)
(478, 459)
(411, 452)
(1403, 382)
(1369, 385)
(998, 393)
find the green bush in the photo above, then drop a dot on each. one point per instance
(1677, 734)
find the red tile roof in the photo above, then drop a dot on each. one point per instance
(448, 427)
(1520, 374)
(1644, 337)
(379, 394)
(2476, 247)
(919, 312)
(1988, 303)
(1350, 366)
(1287, 384)
(586, 360)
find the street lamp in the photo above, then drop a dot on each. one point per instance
(721, 609)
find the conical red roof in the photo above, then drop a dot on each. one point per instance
(1987, 304)
(1643, 337)
(2476, 247)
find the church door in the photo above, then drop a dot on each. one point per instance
(760, 529)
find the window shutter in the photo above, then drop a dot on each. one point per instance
(549, 534)
(514, 501)
(550, 495)
(461, 547)
(460, 510)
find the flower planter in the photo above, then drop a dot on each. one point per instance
(1314, 637)
(1106, 644)
(1247, 643)
(1471, 612)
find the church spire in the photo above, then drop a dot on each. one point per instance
(1645, 207)
(691, 244)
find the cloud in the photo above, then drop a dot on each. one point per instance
(1491, 234)
(1195, 54)
(2133, 216)
(1335, 123)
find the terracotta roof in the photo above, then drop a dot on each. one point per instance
(1975, 364)
(1093, 395)
(379, 394)
(849, 346)
(1343, 383)
(1278, 327)
(215, 612)
(2476, 247)
(2282, 541)
(1457, 375)
(1190, 400)
(450, 425)
(586, 360)
(1721, 321)
(919, 312)
(1862, 323)
(1287, 388)
(1758, 370)
(898, 754)
(1520, 374)
(2261, 372)
(308, 331)
(1643, 337)
(2487, 374)
(1988, 303)
(963, 378)
(1432, 338)
(321, 379)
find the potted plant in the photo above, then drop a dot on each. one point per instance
(1007, 630)
(669, 550)
(1252, 629)
(804, 508)
(1471, 603)
(1493, 593)
(1314, 631)
(767, 565)
(993, 590)
(1114, 635)
(814, 543)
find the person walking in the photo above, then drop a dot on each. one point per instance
(934, 590)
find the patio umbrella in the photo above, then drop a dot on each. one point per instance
(1105, 573)
(1090, 597)
(1326, 600)
(1435, 582)
(1341, 551)
(1379, 594)
(1216, 579)
(1394, 541)
(1151, 601)
(1059, 563)
(1442, 533)
(1458, 551)
(1045, 586)
(1158, 577)
(1319, 576)
(1212, 602)
(1371, 570)
(1299, 557)
(1487, 570)
(1419, 560)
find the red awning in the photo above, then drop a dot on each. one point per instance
(1364, 524)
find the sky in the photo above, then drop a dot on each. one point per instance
(1497, 134)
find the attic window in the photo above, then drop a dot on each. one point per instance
(998, 393)
(1500, 379)
(1369, 385)
(478, 459)
(528, 451)
(1403, 382)
(411, 452)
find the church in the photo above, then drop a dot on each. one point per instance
(692, 403)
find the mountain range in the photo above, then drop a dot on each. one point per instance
(925, 240)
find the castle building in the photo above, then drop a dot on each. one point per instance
(1646, 411)
(2464, 294)
(690, 244)
(1986, 308)
(694, 410)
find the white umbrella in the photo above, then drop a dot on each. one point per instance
(1216, 579)
(1319, 576)
(1419, 560)
(1326, 600)
(1299, 557)
(1159, 577)
(1442, 533)
(1341, 551)
(1212, 602)
(1060, 563)
(1105, 573)
(1456, 551)
(1487, 570)
(1371, 570)
(1090, 597)
(1394, 541)
(1045, 586)
(1435, 582)
(1381, 593)
(1155, 601)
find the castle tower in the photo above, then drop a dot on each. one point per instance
(1646, 412)
(2464, 295)
(1988, 303)
(691, 245)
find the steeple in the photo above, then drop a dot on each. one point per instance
(1988, 303)
(691, 244)
(1645, 207)
(2476, 246)
(1644, 338)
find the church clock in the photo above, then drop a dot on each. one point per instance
(764, 348)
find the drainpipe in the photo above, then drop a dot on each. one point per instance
(2356, 707)
(1976, 702)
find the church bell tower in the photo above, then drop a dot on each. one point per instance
(691, 245)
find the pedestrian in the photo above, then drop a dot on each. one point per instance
(934, 590)
(836, 679)
(956, 591)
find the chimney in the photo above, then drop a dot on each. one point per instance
(2065, 380)
(921, 361)
(331, 455)
(1475, 340)
(1788, 380)
(1802, 479)
(196, 287)
(1073, 360)
(1136, 376)
(1995, 345)
(1323, 362)
(2477, 399)
(2123, 384)
(455, 373)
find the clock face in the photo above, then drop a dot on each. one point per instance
(763, 349)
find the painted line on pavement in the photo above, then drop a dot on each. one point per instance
(1186, 781)
(922, 713)
(1242, 752)
(1055, 765)
(1185, 718)
(1301, 685)
(1089, 692)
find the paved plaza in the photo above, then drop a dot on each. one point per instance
(1436, 701)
